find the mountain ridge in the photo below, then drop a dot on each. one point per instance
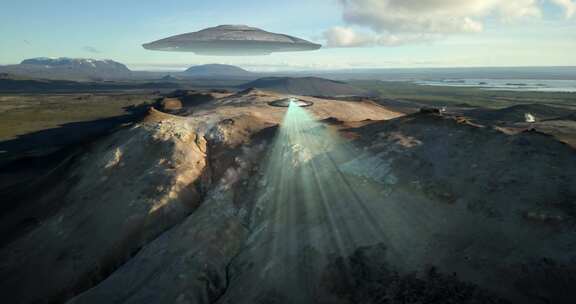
(66, 68)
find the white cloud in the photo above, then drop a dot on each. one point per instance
(349, 37)
(397, 22)
(91, 49)
(433, 16)
(346, 37)
(569, 7)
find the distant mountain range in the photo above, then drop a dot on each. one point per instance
(69, 68)
(218, 70)
(77, 63)
(84, 69)
(65, 74)
(311, 86)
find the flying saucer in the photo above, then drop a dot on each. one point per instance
(232, 40)
(284, 103)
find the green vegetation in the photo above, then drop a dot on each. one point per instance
(21, 114)
(453, 96)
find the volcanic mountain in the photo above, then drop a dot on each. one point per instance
(217, 70)
(69, 69)
(344, 202)
(310, 86)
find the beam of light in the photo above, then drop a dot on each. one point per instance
(308, 208)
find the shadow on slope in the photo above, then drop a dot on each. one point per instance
(34, 162)
(43, 142)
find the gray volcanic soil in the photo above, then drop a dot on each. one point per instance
(556, 121)
(165, 212)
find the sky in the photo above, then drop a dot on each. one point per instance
(355, 33)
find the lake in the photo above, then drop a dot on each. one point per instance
(533, 85)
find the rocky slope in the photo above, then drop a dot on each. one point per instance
(111, 206)
(516, 113)
(555, 121)
(426, 208)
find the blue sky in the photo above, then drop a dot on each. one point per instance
(363, 31)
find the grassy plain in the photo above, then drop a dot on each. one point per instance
(456, 96)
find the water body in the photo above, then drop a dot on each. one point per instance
(522, 85)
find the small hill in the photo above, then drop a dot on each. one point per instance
(169, 78)
(182, 99)
(311, 86)
(516, 113)
(216, 70)
(571, 116)
(69, 69)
